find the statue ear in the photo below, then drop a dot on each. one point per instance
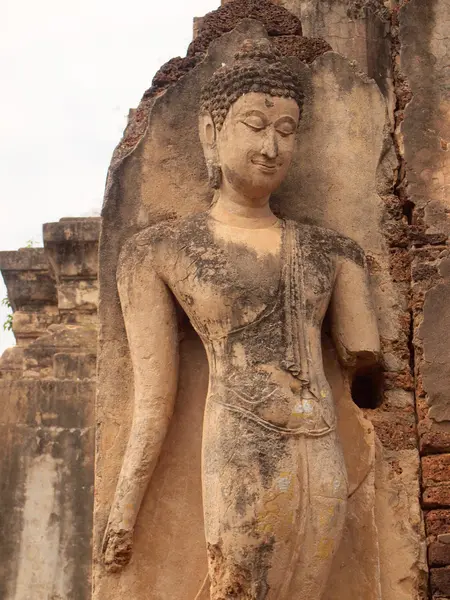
(208, 134)
(208, 138)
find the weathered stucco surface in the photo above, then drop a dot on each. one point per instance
(47, 387)
(357, 29)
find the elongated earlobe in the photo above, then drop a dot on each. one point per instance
(208, 136)
(214, 174)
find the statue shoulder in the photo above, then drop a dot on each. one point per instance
(329, 241)
(158, 243)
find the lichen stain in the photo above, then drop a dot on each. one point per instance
(275, 506)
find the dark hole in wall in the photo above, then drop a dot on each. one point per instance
(408, 209)
(367, 387)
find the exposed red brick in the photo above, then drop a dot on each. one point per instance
(419, 234)
(425, 272)
(395, 223)
(135, 129)
(306, 49)
(396, 430)
(436, 469)
(437, 521)
(276, 19)
(399, 379)
(172, 71)
(436, 496)
(421, 404)
(439, 554)
(356, 9)
(400, 261)
(399, 347)
(440, 581)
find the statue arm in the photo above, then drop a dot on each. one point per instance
(353, 320)
(151, 328)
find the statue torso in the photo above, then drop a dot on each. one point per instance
(257, 298)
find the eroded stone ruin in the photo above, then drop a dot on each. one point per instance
(47, 391)
(374, 156)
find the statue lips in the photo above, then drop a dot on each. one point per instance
(264, 166)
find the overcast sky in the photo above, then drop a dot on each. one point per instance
(69, 73)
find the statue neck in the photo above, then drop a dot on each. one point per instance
(231, 211)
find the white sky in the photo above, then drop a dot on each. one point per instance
(69, 72)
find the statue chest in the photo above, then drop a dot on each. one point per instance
(226, 286)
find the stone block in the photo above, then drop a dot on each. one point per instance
(437, 521)
(196, 27)
(436, 347)
(72, 247)
(435, 469)
(74, 366)
(29, 325)
(440, 581)
(433, 437)
(398, 399)
(78, 295)
(27, 279)
(25, 259)
(68, 339)
(78, 318)
(396, 430)
(444, 538)
(438, 554)
(47, 403)
(11, 363)
(436, 496)
(72, 229)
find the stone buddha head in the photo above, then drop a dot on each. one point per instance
(249, 115)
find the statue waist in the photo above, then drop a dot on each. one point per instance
(273, 407)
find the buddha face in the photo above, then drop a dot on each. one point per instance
(256, 143)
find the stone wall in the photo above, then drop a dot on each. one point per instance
(47, 387)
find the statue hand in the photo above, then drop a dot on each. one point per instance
(117, 548)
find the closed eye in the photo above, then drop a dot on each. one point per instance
(286, 126)
(285, 130)
(254, 123)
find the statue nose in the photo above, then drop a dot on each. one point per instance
(270, 145)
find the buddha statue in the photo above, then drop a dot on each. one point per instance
(257, 289)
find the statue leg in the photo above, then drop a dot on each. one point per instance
(325, 518)
(253, 494)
